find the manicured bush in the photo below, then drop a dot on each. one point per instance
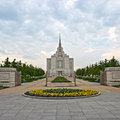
(90, 79)
(31, 78)
(60, 80)
(1, 87)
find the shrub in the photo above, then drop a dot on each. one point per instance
(60, 80)
(90, 79)
(31, 78)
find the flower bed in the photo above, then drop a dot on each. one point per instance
(61, 93)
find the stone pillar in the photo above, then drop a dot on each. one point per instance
(9, 77)
(18, 78)
(46, 77)
(75, 78)
(110, 76)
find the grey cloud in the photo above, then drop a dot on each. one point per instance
(30, 57)
(83, 26)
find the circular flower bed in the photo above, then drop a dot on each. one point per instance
(61, 93)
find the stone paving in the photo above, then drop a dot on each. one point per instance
(13, 106)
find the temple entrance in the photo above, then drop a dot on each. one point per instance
(59, 73)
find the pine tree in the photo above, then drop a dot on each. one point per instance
(7, 63)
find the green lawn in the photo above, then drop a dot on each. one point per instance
(60, 80)
(30, 79)
(89, 79)
(118, 86)
(1, 87)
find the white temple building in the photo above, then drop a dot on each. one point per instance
(60, 64)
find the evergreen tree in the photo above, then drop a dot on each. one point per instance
(25, 69)
(14, 63)
(7, 62)
(94, 69)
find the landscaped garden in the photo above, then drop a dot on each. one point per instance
(60, 80)
(31, 78)
(91, 73)
(61, 93)
(90, 79)
(1, 87)
(29, 73)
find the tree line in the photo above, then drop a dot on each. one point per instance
(93, 70)
(25, 69)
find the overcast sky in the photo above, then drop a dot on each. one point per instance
(29, 30)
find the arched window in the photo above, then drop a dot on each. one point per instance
(59, 64)
(59, 49)
(59, 55)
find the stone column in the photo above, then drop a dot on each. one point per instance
(46, 77)
(75, 78)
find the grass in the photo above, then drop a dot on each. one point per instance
(30, 79)
(114, 81)
(89, 79)
(60, 80)
(118, 86)
(1, 87)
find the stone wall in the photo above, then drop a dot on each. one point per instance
(103, 80)
(18, 79)
(111, 76)
(9, 77)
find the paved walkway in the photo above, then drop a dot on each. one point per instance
(13, 106)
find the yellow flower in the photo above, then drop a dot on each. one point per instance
(80, 93)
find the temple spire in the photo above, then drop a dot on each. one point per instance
(59, 40)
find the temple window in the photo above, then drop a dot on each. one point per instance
(59, 55)
(59, 64)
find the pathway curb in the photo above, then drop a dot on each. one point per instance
(60, 98)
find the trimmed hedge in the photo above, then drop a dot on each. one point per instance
(60, 80)
(89, 79)
(30, 79)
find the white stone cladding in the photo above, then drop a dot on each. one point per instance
(60, 63)
(111, 76)
(9, 77)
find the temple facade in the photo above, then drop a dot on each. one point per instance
(60, 64)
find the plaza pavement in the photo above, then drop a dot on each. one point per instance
(14, 106)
